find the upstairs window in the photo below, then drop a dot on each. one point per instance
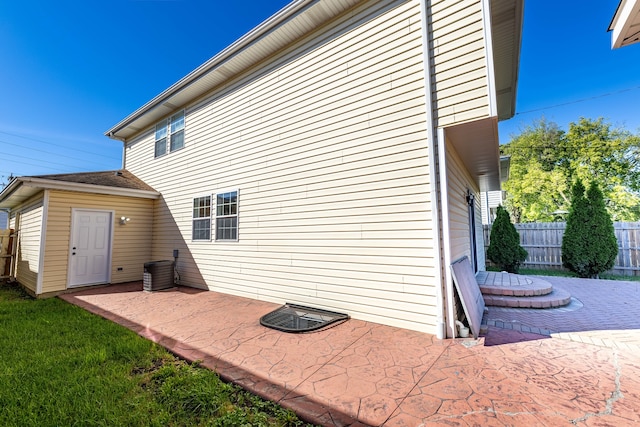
(227, 216)
(201, 218)
(161, 139)
(169, 135)
(177, 131)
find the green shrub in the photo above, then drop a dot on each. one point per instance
(589, 245)
(504, 246)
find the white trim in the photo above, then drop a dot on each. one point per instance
(112, 213)
(622, 22)
(43, 242)
(446, 235)
(243, 42)
(41, 183)
(488, 48)
(433, 172)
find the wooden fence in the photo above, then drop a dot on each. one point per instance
(543, 241)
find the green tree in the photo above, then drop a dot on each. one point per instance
(504, 243)
(589, 245)
(545, 160)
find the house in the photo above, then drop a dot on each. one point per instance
(625, 25)
(331, 157)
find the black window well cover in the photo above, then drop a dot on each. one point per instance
(298, 318)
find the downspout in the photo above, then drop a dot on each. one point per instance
(124, 146)
(488, 47)
(446, 235)
(432, 142)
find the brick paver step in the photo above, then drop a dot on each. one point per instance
(506, 284)
(557, 298)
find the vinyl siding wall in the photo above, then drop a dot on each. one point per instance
(131, 242)
(459, 182)
(490, 200)
(459, 64)
(28, 223)
(329, 153)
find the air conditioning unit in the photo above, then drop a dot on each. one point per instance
(158, 275)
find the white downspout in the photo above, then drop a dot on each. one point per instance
(488, 47)
(446, 235)
(433, 171)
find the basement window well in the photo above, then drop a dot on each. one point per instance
(297, 318)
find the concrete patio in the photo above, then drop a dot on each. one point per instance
(582, 367)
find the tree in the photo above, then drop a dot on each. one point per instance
(589, 245)
(545, 160)
(504, 245)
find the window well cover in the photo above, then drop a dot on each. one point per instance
(298, 318)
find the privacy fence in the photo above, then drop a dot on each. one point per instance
(543, 241)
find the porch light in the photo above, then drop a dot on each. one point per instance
(124, 220)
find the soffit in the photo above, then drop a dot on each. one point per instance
(477, 146)
(625, 26)
(281, 30)
(506, 34)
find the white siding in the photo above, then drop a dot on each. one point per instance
(29, 230)
(490, 200)
(329, 152)
(459, 183)
(459, 62)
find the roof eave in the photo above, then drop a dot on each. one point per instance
(22, 188)
(625, 25)
(507, 48)
(261, 30)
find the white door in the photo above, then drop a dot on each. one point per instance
(90, 250)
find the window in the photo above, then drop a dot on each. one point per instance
(169, 134)
(227, 216)
(161, 139)
(177, 131)
(202, 218)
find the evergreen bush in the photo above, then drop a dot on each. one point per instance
(504, 245)
(589, 245)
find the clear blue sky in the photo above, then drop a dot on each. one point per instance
(72, 69)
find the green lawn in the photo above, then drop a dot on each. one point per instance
(62, 366)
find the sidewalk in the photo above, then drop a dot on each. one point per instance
(360, 373)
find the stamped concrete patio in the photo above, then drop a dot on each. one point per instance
(582, 367)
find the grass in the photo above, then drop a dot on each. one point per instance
(60, 365)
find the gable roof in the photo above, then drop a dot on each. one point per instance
(291, 24)
(117, 183)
